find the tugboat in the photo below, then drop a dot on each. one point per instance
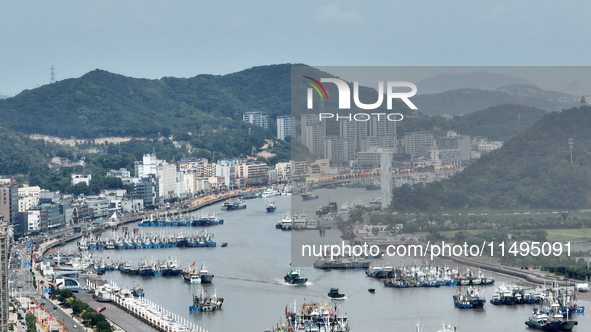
(294, 278)
(271, 207)
(203, 302)
(469, 300)
(205, 275)
(334, 293)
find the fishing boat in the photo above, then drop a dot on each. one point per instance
(127, 268)
(270, 207)
(285, 223)
(326, 209)
(147, 270)
(371, 290)
(373, 186)
(380, 272)
(470, 299)
(377, 201)
(203, 302)
(191, 275)
(317, 317)
(233, 204)
(334, 294)
(310, 195)
(555, 322)
(205, 275)
(294, 277)
(299, 221)
(170, 268)
(342, 262)
(269, 193)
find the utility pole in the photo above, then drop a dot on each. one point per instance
(571, 142)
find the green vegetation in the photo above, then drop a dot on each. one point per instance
(466, 101)
(90, 317)
(497, 123)
(531, 170)
(101, 104)
(31, 322)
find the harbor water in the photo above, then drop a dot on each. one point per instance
(249, 276)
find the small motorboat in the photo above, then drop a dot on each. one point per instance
(224, 244)
(371, 290)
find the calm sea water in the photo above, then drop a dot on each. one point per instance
(249, 276)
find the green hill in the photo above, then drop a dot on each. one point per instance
(532, 169)
(101, 104)
(466, 101)
(498, 122)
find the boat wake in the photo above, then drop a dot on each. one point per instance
(337, 299)
(283, 282)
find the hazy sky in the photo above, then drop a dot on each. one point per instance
(152, 39)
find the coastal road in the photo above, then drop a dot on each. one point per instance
(20, 281)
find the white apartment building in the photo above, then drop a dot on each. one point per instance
(29, 191)
(489, 146)
(167, 179)
(79, 178)
(25, 203)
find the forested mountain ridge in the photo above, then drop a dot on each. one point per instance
(101, 104)
(531, 170)
(468, 100)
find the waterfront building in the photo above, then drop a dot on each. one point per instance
(80, 213)
(147, 189)
(313, 133)
(444, 157)
(354, 132)
(285, 126)
(372, 157)
(9, 202)
(4, 267)
(283, 171)
(334, 149)
(146, 167)
(33, 220)
(417, 144)
(273, 175)
(186, 181)
(168, 186)
(98, 204)
(300, 170)
(254, 173)
(132, 205)
(227, 170)
(379, 126)
(454, 141)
